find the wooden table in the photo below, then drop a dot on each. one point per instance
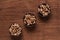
(12, 11)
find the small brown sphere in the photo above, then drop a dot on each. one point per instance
(44, 10)
(29, 19)
(15, 29)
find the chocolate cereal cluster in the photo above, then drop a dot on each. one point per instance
(15, 30)
(44, 10)
(29, 19)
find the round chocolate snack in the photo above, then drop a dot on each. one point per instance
(15, 30)
(44, 10)
(29, 20)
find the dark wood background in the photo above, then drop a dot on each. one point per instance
(12, 11)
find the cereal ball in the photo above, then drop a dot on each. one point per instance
(44, 10)
(15, 29)
(29, 19)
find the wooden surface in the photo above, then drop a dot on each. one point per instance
(12, 11)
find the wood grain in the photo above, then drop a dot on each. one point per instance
(12, 11)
